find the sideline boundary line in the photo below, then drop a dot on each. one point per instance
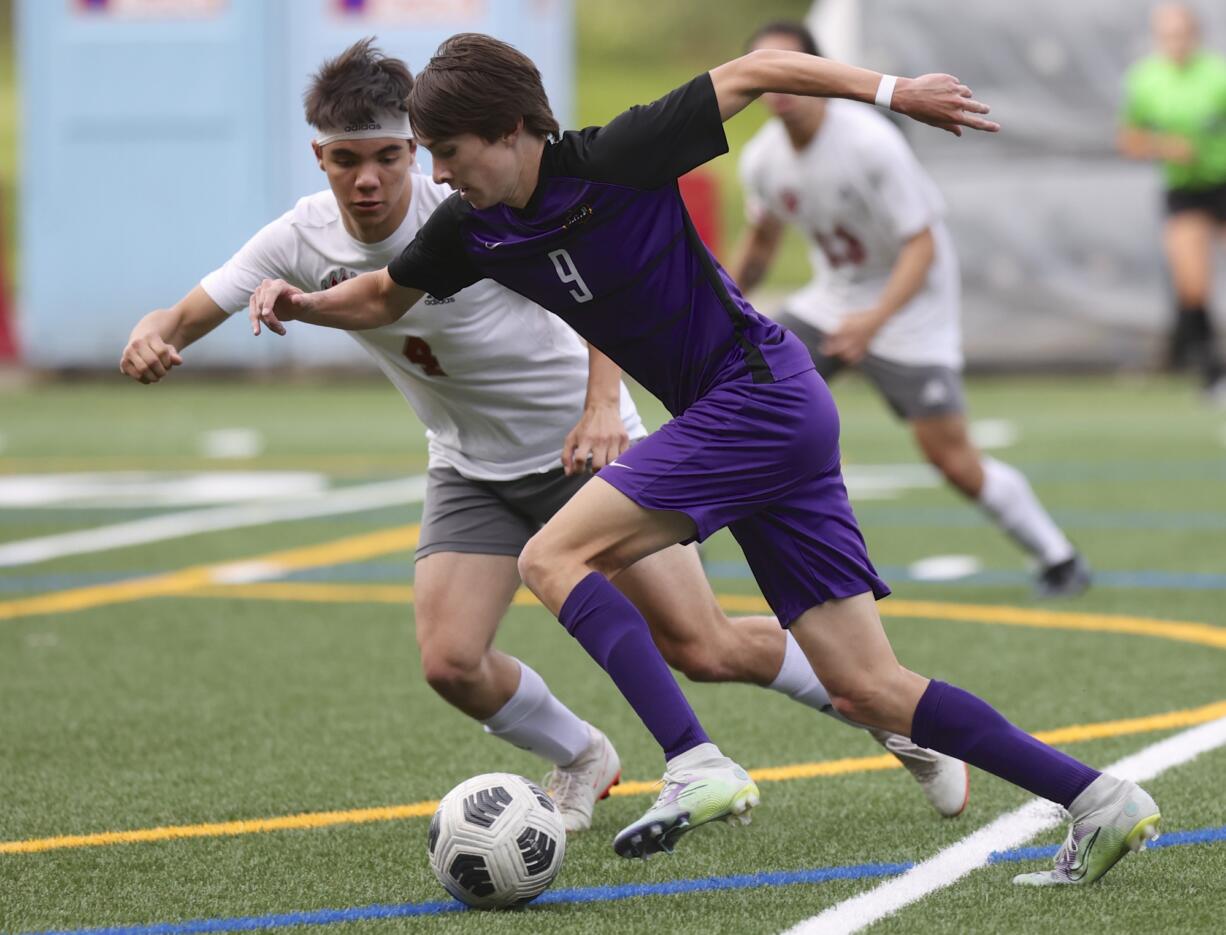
(587, 894)
(194, 577)
(214, 519)
(826, 768)
(1010, 830)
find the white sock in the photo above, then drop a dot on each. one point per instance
(534, 720)
(1007, 498)
(797, 680)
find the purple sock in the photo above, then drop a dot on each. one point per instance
(958, 724)
(615, 634)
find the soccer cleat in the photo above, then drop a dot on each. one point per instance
(1110, 818)
(691, 798)
(1215, 392)
(577, 787)
(946, 782)
(1068, 578)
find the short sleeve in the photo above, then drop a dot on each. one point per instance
(435, 260)
(264, 256)
(905, 193)
(651, 145)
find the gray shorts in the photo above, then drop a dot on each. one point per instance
(913, 391)
(489, 517)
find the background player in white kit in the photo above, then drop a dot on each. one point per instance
(498, 381)
(886, 293)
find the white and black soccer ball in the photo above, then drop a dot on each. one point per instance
(496, 840)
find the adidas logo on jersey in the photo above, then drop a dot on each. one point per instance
(431, 300)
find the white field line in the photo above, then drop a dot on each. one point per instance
(1010, 830)
(177, 525)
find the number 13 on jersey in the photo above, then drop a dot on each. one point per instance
(567, 273)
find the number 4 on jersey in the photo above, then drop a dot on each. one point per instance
(417, 351)
(567, 273)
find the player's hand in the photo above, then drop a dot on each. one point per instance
(598, 439)
(273, 302)
(148, 358)
(850, 341)
(941, 101)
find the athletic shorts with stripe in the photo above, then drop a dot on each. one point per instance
(763, 460)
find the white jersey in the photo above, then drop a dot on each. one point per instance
(496, 379)
(858, 194)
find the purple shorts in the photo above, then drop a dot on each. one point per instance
(763, 460)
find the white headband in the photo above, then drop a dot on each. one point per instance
(393, 124)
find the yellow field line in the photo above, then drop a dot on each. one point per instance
(1176, 630)
(311, 592)
(842, 767)
(209, 580)
(350, 549)
(1201, 633)
(222, 828)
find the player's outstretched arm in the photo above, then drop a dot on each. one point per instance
(939, 100)
(367, 301)
(154, 344)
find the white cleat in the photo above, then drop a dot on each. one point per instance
(946, 782)
(1111, 819)
(691, 796)
(578, 786)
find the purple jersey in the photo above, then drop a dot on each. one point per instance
(606, 244)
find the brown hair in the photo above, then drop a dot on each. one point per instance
(477, 84)
(787, 27)
(352, 87)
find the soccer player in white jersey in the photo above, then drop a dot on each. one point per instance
(885, 295)
(498, 382)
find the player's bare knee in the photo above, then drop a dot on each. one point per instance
(450, 670)
(536, 559)
(697, 661)
(958, 464)
(862, 703)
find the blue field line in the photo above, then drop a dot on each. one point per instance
(962, 518)
(589, 894)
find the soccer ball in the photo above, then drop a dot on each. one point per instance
(496, 840)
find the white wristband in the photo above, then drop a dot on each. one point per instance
(885, 91)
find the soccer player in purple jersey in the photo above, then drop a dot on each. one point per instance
(590, 225)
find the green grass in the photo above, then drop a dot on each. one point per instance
(180, 710)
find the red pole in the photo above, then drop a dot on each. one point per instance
(700, 192)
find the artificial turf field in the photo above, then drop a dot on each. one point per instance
(178, 703)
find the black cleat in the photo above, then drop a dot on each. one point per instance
(1068, 578)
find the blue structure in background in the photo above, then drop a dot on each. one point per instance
(159, 135)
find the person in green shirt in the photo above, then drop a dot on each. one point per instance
(1175, 112)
